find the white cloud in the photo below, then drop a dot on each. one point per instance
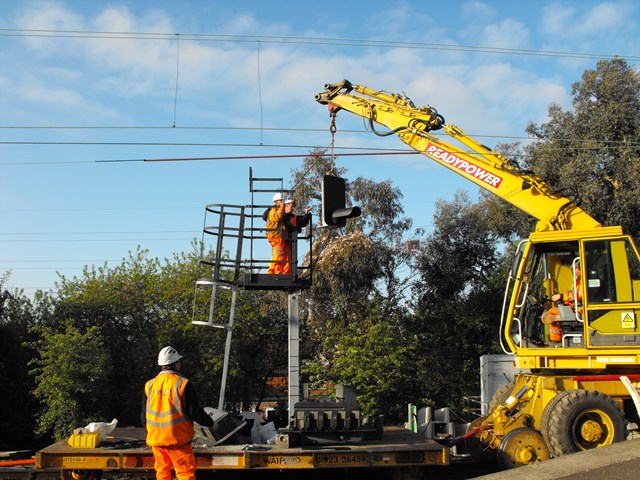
(514, 97)
(48, 15)
(218, 82)
(58, 97)
(401, 20)
(477, 10)
(66, 104)
(506, 34)
(571, 23)
(120, 19)
(62, 74)
(242, 23)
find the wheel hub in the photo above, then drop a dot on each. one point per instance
(522, 446)
(525, 455)
(591, 431)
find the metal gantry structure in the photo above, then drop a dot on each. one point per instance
(233, 237)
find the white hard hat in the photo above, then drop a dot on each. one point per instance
(276, 197)
(289, 200)
(167, 356)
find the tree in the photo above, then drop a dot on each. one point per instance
(144, 304)
(460, 253)
(458, 300)
(371, 354)
(390, 234)
(131, 304)
(593, 148)
(18, 407)
(356, 304)
(72, 373)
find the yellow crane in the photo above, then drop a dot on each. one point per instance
(571, 301)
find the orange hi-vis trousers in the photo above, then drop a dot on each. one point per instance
(181, 458)
(280, 258)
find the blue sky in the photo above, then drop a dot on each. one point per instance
(85, 82)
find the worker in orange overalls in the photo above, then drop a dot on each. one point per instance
(276, 232)
(552, 316)
(170, 407)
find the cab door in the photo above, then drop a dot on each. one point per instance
(611, 289)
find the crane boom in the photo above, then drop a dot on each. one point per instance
(554, 209)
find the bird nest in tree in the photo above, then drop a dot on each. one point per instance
(348, 264)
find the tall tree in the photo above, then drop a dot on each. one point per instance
(72, 372)
(457, 303)
(360, 282)
(131, 304)
(594, 148)
(391, 237)
(129, 312)
(18, 407)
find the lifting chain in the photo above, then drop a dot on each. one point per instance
(332, 129)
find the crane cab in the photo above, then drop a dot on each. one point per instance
(597, 274)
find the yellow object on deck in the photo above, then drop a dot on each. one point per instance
(84, 440)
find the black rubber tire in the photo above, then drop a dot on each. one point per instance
(576, 412)
(544, 421)
(500, 396)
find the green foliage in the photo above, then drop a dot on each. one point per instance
(345, 271)
(371, 354)
(17, 405)
(131, 303)
(459, 253)
(72, 372)
(381, 203)
(593, 147)
(458, 300)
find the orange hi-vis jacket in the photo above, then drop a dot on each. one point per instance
(167, 424)
(276, 229)
(276, 234)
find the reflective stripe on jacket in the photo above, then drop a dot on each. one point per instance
(167, 422)
(555, 332)
(567, 298)
(275, 225)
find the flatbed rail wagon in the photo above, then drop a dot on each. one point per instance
(125, 452)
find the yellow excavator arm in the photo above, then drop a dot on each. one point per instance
(554, 210)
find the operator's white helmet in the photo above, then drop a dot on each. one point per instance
(289, 200)
(276, 197)
(167, 356)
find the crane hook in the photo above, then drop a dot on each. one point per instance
(332, 125)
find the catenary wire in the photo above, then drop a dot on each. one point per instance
(328, 41)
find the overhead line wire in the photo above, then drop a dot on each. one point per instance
(260, 95)
(189, 159)
(382, 152)
(354, 42)
(94, 240)
(175, 98)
